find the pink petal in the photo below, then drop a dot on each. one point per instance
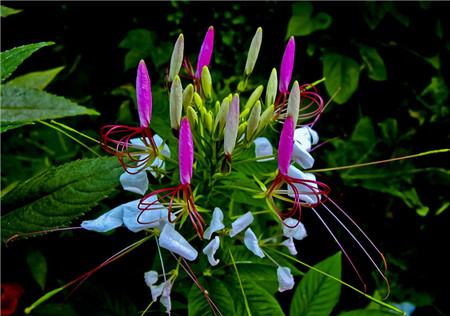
(204, 57)
(286, 145)
(144, 95)
(287, 65)
(185, 152)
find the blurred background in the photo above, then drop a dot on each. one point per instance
(388, 63)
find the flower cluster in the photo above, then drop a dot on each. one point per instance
(215, 132)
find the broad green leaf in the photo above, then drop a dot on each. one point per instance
(374, 63)
(22, 105)
(36, 80)
(366, 312)
(303, 22)
(341, 73)
(38, 267)
(316, 295)
(59, 195)
(219, 294)
(6, 11)
(13, 58)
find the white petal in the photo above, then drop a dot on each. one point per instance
(289, 243)
(263, 148)
(314, 136)
(106, 222)
(150, 277)
(251, 242)
(171, 240)
(302, 138)
(210, 250)
(150, 218)
(302, 157)
(156, 291)
(137, 183)
(159, 163)
(285, 279)
(293, 229)
(165, 297)
(165, 151)
(216, 224)
(241, 223)
(306, 194)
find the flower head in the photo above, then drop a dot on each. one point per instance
(206, 50)
(287, 65)
(144, 95)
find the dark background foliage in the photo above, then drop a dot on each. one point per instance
(406, 112)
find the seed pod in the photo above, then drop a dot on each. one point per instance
(188, 95)
(176, 103)
(266, 118)
(198, 100)
(256, 94)
(192, 116)
(253, 52)
(253, 120)
(206, 82)
(271, 90)
(177, 58)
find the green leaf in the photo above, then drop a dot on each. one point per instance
(22, 105)
(13, 58)
(38, 267)
(54, 309)
(341, 73)
(374, 63)
(366, 312)
(316, 295)
(36, 80)
(303, 23)
(6, 11)
(218, 292)
(59, 195)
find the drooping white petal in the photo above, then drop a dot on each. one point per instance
(263, 148)
(308, 192)
(292, 228)
(302, 157)
(216, 224)
(106, 222)
(210, 250)
(171, 240)
(302, 138)
(285, 279)
(314, 135)
(289, 243)
(252, 244)
(150, 277)
(156, 291)
(241, 223)
(136, 183)
(136, 220)
(165, 297)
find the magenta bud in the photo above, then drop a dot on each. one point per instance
(204, 57)
(287, 65)
(144, 95)
(185, 152)
(286, 145)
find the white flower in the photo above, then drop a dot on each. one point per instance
(252, 244)
(216, 224)
(285, 279)
(292, 228)
(241, 223)
(171, 240)
(263, 148)
(289, 243)
(165, 297)
(210, 250)
(138, 182)
(304, 138)
(308, 192)
(107, 221)
(163, 289)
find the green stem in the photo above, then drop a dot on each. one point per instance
(426, 153)
(247, 307)
(75, 131)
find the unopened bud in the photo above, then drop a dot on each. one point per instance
(188, 95)
(241, 129)
(176, 103)
(252, 100)
(253, 120)
(294, 102)
(271, 90)
(253, 52)
(198, 100)
(209, 121)
(231, 126)
(206, 82)
(266, 118)
(177, 58)
(222, 113)
(192, 116)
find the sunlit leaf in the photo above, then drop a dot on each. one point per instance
(342, 74)
(57, 196)
(13, 58)
(6, 11)
(316, 295)
(36, 80)
(303, 22)
(374, 63)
